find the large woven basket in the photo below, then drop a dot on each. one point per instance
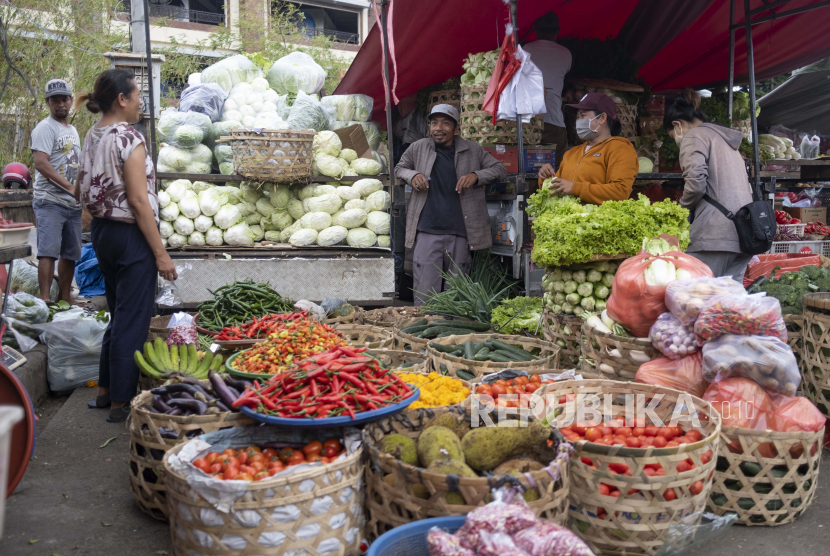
(638, 520)
(612, 355)
(282, 156)
(355, 318)
(312, 512)
(795, 339)
(148, 446)
(360, 335)
(388, 317)
(565, 331)
(399, 493)
(444, 96)
(773, 475)
(484, 132)
(816, 351)
(627, 114)
(409, 342)
(444, 363)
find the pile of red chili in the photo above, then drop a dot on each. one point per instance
(259, 328)
(341, 381)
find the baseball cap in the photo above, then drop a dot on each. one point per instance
(599, 102)
(446, 110)
(58, 87)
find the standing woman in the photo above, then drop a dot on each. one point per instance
(118, 187)
(712, 165)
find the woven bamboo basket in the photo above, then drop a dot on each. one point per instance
(393, 359)
(627, 114)
(409, 342)
(638, 520)
(444, 363)
(816, 351)
(360, 335)
(614, 365)
(503, 133)
(147, 448)
(399, 493)
(772, 475)
(326, 499)
(554, 328)
(795, 339)
(282, 156)
(388, 317)
(445, 96)
(355, 318)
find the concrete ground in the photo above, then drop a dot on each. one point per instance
(75, 500)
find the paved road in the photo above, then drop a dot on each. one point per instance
(75, 500)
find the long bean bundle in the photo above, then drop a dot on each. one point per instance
(241, 302)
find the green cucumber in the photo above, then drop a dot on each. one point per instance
(408, 365)
(445, 334)
(522, 354)
(419, 322)
(497, 358)
(443, 348)
(414, 329)
(750, 469)
(477, 346)
(482, 354)
(434, 331)
(465, 375)
(444, 370)
(468, 350)
(470, 325)
(509, 355)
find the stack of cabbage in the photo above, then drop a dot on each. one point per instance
(354, 109)
(331, 159)
(479, 68)
(779, 147)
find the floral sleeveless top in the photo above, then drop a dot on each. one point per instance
(101, 176)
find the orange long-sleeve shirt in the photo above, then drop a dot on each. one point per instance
(605, 172)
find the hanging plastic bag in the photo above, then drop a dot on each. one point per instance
(639, 288)
(506, 67)
(182, 330)
(525, 94)
(684, 374)
(809, 146)
(673, 339)
(25, 279)
(686, 298)
(169, 291)
(765, 359)
(206, 99)
(748, 315)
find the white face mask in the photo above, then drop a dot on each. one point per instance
(583, 128)
(678, 137)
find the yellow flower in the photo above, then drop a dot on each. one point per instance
(436, 390)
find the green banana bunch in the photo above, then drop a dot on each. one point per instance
(160, 360)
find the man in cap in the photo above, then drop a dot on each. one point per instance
(446, 215)
(554, 61)
(56, 147)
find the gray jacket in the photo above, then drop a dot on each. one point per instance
(469, 158)
(712, 164)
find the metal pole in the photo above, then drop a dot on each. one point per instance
(150, 90)
(731, 55)
(750, 60)
(519, 137)
(389, 134)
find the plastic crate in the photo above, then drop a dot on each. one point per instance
(817, 247)
(411, 539)
(9, 416)
(797, 229)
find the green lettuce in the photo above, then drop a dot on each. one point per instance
(526, 310)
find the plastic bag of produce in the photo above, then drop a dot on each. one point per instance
(183, 129)
(498, 515)
(296, 72)
(673, 339)
(232, 70)
(686, 298)
(74, 342)
(206, 99)
(547, 538)
(26, 308)
(363, 106)
(441, 543)
(24, 279)
(497, 544)
(684, 374)
(748, 315)
(741, 402)
(765, 359)
(639, 288)
(308, 113)
(372, 132)
(344, 105)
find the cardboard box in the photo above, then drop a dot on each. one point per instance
(535, 157)
(509, 156)
(814, 214)
(353, 138)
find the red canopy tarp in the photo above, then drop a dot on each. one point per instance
(678, 43)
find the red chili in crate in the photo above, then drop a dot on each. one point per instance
(341, 381)
(261, 327)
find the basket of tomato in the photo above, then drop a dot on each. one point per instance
(634, 472)
(254, 491)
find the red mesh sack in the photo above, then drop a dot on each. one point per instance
(684, 374)
(796, 414)
(634, 303)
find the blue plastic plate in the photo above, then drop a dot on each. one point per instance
(411, 539)
(360, 418)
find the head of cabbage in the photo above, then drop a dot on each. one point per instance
(357, 204)
(211, 200)
(164, 199)
(281, 220)
(214, 236)
(239, 234)
(349, 155)
(327, 142)
(324, 189)
(170, 212)
(295, 208)
(384, 241)
(306, 192)
(331, 236)
(176, 240)
(227, 216)
(183, 225)
(365, 167)
(280, 194)
(329, 165)
(330, 203)
(276, 237)
(378, 222)
(264, 207)
(196, 238)
(199, 186)
(347, 193)
(315, 220)
(166, 229)
(367, 186)
(258, 232)
(202, 223)
(189, 206)
(361, 237)
(379, 200)
(303, 237)
(352, 218)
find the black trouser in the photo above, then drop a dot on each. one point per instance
(129, 270)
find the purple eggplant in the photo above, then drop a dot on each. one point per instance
(195, 406)
(222, 390)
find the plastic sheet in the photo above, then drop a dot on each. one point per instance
(687, 298)
(88, 274)
(692, 531)
(765, 359)
(206, 99)
(750, 315)
(684, 374)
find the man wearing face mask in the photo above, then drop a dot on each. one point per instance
(605, 166)
(446, 215)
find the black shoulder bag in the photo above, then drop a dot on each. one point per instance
(755, 224)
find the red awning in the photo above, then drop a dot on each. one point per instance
(678, 43)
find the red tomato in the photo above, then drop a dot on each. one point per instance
(536, 378)
(660, 442)
(261, 475)
(229, 461)
(230, 474)
(608, 438)
(660, 473)
(273, 471)
(697, 487)
(331, 452)
(649, 472)
(498, 390)
(211, 457)
(645, 441)
(615, 423)
(681, 440)
(256, 449)
(521, 380)
(579, 428)
(531, 387)
(651, 430)
(632, 442)
(592, 434)
(619, 440)
(623, 431)
(605, 430)
(258, 458)
(242, 477)
(620, 468)
(638, 431)
(586, 461)
(694, 435)
(202, 464)
(216, 468)
(615, 493)
(604, 489)
(276, 465)
(313, 448)
(257, 466)
(229, 452)
(666, 432)
(285, 453)
(669, 495)
(314, 458)
(296, 457)
(243, 458)
(269, 453)
(682, 466)
(672, 444)
(706, 457)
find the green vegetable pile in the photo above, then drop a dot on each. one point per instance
(790, 288)
(568, 232)
(575, 289)
(517, 315)
(239, 303)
